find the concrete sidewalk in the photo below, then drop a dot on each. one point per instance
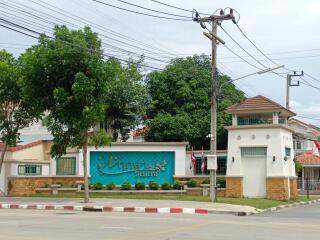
(126, 205)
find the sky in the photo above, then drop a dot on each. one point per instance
(287, 31)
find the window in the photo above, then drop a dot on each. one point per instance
(288, 152)
(29, 169)
(298, 145)
(253, 151)
(222, 166)
(66, 166)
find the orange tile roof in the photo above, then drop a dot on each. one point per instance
(308, 159)
(257, 103)
(20, 147)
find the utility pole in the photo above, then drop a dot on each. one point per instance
(214, 20)
(290, 84)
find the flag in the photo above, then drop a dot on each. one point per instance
(317, 145)
(193, 161)
(203, 162)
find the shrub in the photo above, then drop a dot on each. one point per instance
(139, 186)
(177, 185)
(91, 186)
(153, 186)
(126, 186)
(97, 186)
(166, 186)
(206, 181)
(221, 183)
(192, 183)
(46, 185)
(111, 186)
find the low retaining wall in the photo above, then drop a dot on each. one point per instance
(21, 186)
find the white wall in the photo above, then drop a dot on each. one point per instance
(2, 180)
(274, 139)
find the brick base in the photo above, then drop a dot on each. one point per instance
(234, 187)
(277, 188)
(293, 188)
(21, 186)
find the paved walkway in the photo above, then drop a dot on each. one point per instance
(131, 203)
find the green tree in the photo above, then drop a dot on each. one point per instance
(126, 98)
(15, 113)
(179, 108)
(64, 75)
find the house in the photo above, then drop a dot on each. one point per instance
(260, 150)
(306, 138)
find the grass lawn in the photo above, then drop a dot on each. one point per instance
(253, 202)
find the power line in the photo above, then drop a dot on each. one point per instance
(312, 77)
(153, 10)
(235, 41)
(245, 35)
(141, 13)
(37, 37)
(311, 118)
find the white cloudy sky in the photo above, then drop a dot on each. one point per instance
(287, 30)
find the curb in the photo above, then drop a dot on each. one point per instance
(121, 209)
(273, 209)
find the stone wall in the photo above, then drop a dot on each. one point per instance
(22, 186)
(234, 187)
(277, 188)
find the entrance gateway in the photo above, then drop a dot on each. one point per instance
(254, 171)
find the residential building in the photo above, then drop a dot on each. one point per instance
(260, 150)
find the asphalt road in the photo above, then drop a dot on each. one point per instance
(294, 223)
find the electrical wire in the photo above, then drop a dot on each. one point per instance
(153, 10)
(37, 37)
(141, 13)
(179, 8)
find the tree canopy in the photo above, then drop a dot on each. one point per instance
(64, 75)
(179, 108)
(125, 98)
(15, 113)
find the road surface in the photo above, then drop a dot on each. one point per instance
(295, 223)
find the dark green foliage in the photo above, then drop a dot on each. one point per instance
(153, 186)
(97, 186)
(298, 167)
(110, 186)
(206, 181)
(192, 183)
(221, 183)
(126, 186)
(177, 185)
(179, 108)
(125, 98)
(166, 186)
(139, 186)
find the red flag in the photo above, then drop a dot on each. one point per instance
(317, 145)
(193, 161)
(203, 162)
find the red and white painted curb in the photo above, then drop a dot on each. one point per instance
(105, 208)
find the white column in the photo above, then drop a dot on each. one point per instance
(275, 118)
(303, 178)
(234, 119)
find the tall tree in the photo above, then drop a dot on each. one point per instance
(126, 98)
(64, 75)
(179, 108)
(15, 113)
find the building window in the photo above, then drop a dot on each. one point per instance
(298, 144)
(288, 152)
(29, 169)
(253, 151)
(66, 166)
(222, 166)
